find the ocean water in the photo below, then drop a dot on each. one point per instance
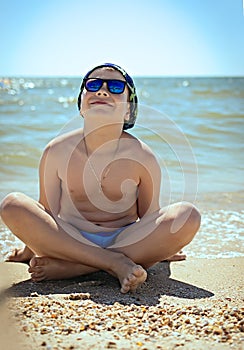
(194, 125)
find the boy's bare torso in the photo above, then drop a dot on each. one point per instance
(101, 192)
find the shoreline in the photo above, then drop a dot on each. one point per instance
(196, 303)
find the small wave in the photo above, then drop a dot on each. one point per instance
(221, 235)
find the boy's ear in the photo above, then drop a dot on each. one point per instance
(127, 116)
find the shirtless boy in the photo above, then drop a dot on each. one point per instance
(99, 196)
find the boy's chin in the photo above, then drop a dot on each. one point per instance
(101, 116)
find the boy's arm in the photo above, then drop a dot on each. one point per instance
(50, 185)
(149, 187)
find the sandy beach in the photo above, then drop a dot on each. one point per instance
(193, 304)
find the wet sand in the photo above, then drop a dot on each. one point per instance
(193, 304)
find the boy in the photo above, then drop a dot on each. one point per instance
(99, 195)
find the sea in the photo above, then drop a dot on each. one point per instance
(194, 125)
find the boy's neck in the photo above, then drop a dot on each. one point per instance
(106, 138)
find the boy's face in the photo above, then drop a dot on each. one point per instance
(103, 106)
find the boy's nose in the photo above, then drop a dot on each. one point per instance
(102, 91)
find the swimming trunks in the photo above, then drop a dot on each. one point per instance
(103, 239)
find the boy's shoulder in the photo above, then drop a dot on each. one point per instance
(137, 145)
(66, 139)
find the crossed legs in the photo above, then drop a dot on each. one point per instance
(59, 255)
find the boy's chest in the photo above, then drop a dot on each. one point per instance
(86, 179)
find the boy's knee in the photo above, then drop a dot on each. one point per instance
(187, 220)
(11, 203)
(193, 216)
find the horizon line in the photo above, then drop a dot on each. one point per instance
(6, 76)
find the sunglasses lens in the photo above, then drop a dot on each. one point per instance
(116, 86)
(93, 85)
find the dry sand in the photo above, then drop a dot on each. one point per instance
(193, 304)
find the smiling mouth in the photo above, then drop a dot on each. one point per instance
(100, 103)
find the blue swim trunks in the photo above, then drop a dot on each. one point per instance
(103, 239)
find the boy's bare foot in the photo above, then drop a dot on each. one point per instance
(23, 255)
(177, 257)
(130, 275)
(44, 268)
(136, 278)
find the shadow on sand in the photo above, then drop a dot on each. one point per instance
(104, 288)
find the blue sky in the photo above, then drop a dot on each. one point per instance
(146, 37)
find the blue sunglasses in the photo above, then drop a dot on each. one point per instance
(113, 85)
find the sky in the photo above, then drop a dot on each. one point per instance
(146, 37)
